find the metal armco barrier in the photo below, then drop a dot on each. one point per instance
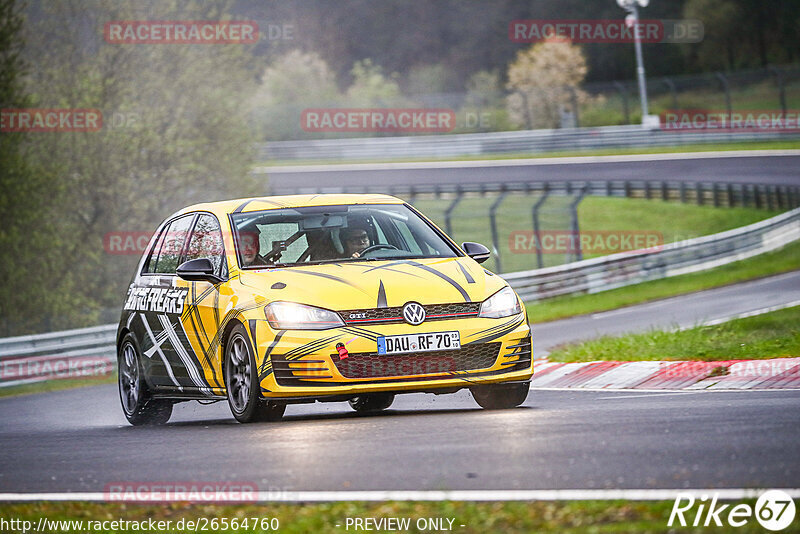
(67, 354)
(525, 141)
(622, 269)
(80, 353)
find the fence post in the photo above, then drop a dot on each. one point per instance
(493, 222)
(671, 85)
(574, 101)
(624, 94)
(781, 87)
(536, 229)
(576, 233)
(731, 203)
(683, 192)
(449, 211)
(757, 195)
(664, 194)
(726, 87)
(698, 193)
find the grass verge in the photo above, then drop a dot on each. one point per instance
(620, 151)
(477, 517)
(779, 261)
(770, 335)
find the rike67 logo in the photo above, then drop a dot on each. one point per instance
(774, 510)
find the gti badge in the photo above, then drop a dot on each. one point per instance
(413, 313)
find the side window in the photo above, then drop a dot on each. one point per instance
(152, 259)
(206, 242)
(174, 237)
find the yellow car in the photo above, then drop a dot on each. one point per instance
(295, 299)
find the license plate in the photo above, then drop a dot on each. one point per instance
(419, 342)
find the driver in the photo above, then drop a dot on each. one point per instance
(250, 243)
(354, 240)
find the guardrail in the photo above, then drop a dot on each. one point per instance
(622, 269)
(73, 353)
(524, 142)
(83, 352)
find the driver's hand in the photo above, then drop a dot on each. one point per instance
(356, 255)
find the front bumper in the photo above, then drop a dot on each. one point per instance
(306, 364)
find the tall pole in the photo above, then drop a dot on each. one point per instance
(637, 39)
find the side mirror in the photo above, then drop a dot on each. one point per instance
(476, 251)
(198, 270)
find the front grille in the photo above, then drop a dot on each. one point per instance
(371, 365)
(433, 312)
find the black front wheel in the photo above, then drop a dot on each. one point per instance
(501, 396)
(242, 384)
(137, 405)
(372, 402)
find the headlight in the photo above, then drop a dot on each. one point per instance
(501, 304)
(293, 316)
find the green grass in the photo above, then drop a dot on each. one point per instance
(779, 261)
(770, 335)
(477, 517)
(760, 96)
(674, 221)
(54, 385)
(617, 151)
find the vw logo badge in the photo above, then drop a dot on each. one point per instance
(413, 313)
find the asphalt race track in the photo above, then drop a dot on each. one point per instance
(781, 170)
(77, 440)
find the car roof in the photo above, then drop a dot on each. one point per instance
(244, 205)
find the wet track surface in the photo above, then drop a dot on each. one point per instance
(78, 441)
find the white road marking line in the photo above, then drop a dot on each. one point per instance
(752, 313)
(695, 294)
(643, 390)
(650, 395)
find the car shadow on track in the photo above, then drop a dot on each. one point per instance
(344, 416)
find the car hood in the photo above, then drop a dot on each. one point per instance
(356, 285)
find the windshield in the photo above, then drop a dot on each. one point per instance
(324, 234)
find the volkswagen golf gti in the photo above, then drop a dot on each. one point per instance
(296, 299)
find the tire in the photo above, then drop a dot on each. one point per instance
(373, 402)
(138, 407)
(501, 396)
(242, 384)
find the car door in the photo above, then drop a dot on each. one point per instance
(201, 319)
(161, 302)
